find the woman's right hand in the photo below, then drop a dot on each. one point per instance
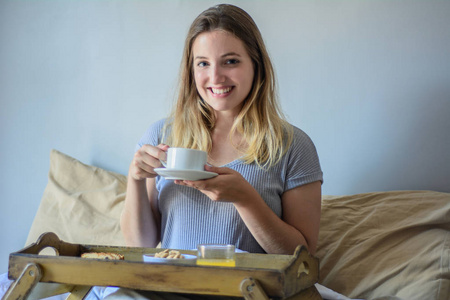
(146, 159)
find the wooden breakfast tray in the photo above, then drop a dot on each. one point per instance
(256, 276)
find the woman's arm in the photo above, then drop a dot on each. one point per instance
(300, 221)
(299, 224)
(140, 220)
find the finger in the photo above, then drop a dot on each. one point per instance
(164, 148)
(147, 160)
(162, 155)
(141, 166)
(141, 174)
(183, 183)
(144, 162)
(218, 170)
(193, 184)
(140, 170)
(155, 155)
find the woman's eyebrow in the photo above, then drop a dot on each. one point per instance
(224, 55)
(231, 54)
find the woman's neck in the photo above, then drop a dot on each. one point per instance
(224, 149)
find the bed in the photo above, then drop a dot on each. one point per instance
(381, 245)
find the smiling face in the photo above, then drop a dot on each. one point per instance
(223, 70)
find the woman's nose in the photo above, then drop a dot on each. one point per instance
(217, 75)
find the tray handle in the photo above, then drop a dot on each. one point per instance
(303, 269)
(50, 239)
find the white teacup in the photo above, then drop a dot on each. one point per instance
(185, 159)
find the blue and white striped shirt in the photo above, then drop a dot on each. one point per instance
(189, 217)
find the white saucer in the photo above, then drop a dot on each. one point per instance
(176, 174)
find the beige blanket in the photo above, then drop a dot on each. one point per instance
(386, 244)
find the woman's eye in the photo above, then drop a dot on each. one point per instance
(232, 61)
(202, 64)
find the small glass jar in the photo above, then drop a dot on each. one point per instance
(216, 255)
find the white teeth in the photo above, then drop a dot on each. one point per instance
(220, 91)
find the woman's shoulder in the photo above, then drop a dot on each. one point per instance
(153, 133)
(301, 142)
(157, 127)
(298, 135)
(159, 124)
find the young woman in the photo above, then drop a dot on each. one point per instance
(267, 195)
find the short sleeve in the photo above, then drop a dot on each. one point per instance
(152, 135)
(302, 162)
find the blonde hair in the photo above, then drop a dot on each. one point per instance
(260, 121)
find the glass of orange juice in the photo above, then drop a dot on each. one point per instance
(216, 255)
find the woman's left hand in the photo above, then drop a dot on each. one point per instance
(228, 186)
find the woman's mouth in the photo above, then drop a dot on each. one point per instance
(220, 91)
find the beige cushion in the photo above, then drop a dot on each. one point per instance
(387, 243)
(81, 203)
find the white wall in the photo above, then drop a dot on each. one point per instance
(369, 81)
